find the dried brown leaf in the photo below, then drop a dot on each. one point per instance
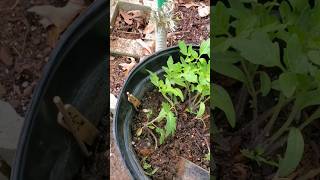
(5, 56)
(149, 28)
(127, 18)
(127, 67)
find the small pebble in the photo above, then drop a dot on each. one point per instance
(25, 84)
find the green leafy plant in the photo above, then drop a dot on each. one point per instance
(186, 81)
(268, 53)
(148, 168)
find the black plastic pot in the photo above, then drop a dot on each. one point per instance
(137, 83)
(76, 72)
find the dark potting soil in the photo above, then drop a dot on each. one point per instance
(230, 162)
(190, 27)
(97, 165)
(189, 141)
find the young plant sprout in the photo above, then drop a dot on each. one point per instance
(185, 82)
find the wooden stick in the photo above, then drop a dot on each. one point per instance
(57, 100)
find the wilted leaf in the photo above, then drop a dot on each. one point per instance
(293, 154)
(204, 11)
(127, 67)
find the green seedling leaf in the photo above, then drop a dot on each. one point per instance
(162, 135)
(207, 156)
(151, 127)
(183, 47)
(298, 5)
(314, 56)
(171, 124)
(293, 154)
(288, 83)
(154, 78)
(221, 17)
(222, 100)
(265, 83)
(201, 110)
(146, 165)
(259, 49)
(228, 70)
(294, 57)
(152, 172)
(205, 47)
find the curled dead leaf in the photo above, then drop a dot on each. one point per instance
(127, 67)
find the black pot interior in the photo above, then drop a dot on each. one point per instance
(76, 72)
(137, 83)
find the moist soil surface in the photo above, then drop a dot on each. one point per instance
(190, 140)
(228, 159)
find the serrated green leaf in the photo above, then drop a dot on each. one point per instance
(293, 154)
(288, 83)
(162, 134)
(201, 110)
(220, 17)
(259, 49)
(170, 63)
(221, 99)
(154, 78)
(265, 82)
(171, 124)
(183, 47)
